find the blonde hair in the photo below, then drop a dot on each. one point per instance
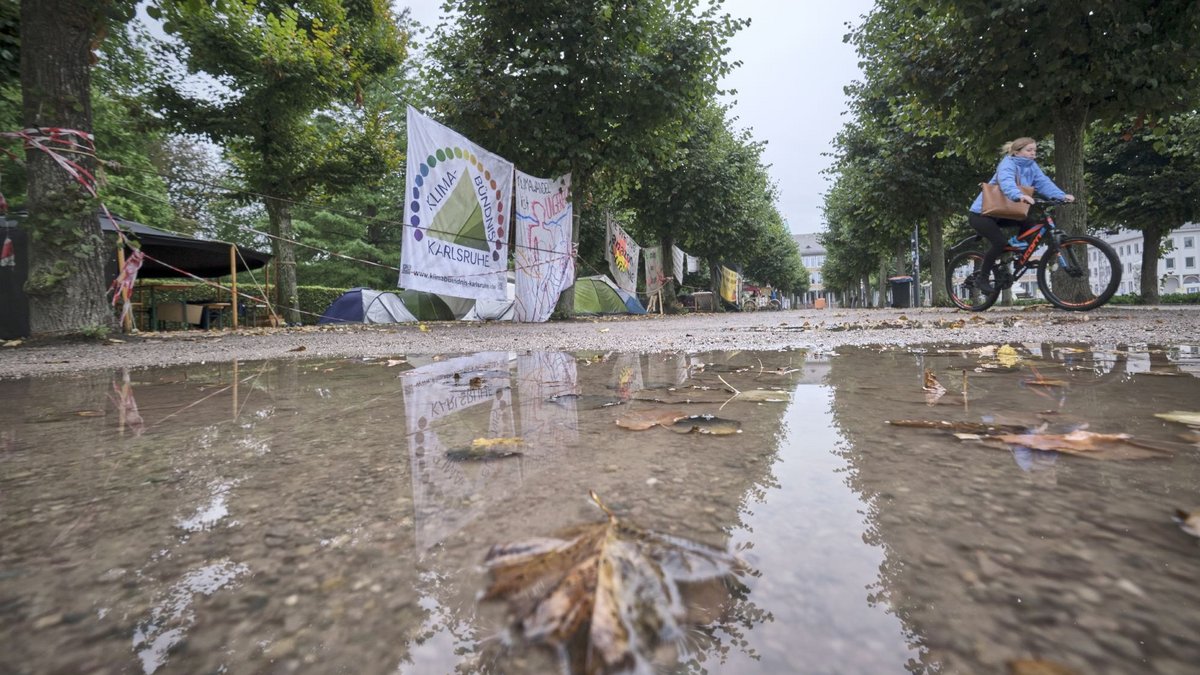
(1013, 147)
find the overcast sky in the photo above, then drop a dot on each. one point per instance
(789, 86)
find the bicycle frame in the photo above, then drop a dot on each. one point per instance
(1043, 231)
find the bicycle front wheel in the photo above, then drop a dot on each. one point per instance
(961, 273)
(1083, 274)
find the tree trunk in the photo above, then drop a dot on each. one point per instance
(1068, 160)
(882, 281)
(937, 261)
(1068, 163)
(1152, 236)
(66, 255)
(279, 212)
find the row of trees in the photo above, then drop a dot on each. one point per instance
(286, 117)
(1113, 85)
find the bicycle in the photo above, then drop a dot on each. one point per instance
(1074, 272)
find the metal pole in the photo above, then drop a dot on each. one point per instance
(916, 256)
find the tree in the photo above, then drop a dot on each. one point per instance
(66, 278)
(716, 193)
(284, 62)
(1146, 178)
(985, 72)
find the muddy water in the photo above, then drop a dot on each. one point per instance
(283, 517)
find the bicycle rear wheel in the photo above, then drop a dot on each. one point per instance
(961, 272)
(1083, 275)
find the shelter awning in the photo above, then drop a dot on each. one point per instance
(202, 257)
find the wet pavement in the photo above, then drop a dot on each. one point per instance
(318, 516)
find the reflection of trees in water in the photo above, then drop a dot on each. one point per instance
(984, 561)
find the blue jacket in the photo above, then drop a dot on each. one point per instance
(1031, 174)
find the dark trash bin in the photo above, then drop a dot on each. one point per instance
(901, 291)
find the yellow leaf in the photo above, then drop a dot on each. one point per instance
(1007, 356)
(494, 442)
(1192, 419)
(423, 327)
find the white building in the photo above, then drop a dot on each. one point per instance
(1178, 268)
(812, 253)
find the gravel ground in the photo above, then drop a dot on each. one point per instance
(820, 330)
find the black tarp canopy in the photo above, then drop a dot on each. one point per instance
(201, 257)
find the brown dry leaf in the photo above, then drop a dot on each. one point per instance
(298, 349)
(610, 589)
(931, 382)
(475, 382)
(646, 419)
(90, 413)
(1086, 444)
(1038, 667)
(1043, 382)
(1188, 522)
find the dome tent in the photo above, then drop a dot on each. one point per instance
(599, 295)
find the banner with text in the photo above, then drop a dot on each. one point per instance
(622, 253)
(543, 251)
(730, 285)
(457, 220)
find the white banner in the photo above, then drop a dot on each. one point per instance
(545, 267)
(622, 253)
(457, 219)
(654, 268)
(678, 262)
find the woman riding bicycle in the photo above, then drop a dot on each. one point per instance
(1019, 166)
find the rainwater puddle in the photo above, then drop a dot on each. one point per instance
(335, 516)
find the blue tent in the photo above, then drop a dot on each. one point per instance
(363, 305)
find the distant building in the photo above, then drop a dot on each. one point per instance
(812, 253)
(1178, 269)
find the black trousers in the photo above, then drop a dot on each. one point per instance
(989, 228)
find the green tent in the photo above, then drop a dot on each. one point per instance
(599, 295)
(426, 306)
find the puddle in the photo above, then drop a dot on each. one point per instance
(323, 516)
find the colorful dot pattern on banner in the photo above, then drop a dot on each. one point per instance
(441, 155)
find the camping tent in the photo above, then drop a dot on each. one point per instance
(363, 305)
(599, 295)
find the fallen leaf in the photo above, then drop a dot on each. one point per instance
(298, 349)
(1192, 419)
(1042, 382)
(931, 383)
(501, 441)
(605, 330)
(966, 427)
(646, 419)
(706, 424)
(1188, 522)
(475, 382)
(13, 343)
(1007, 356)
(486, 453)
(395, 362)
(89, 413)
(423, 328)
(610, 594)
(1112, 447)
(764, 396)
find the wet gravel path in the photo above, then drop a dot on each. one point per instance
(821, 330)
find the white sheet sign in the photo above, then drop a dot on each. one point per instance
(456, 219)
(622, 254)
(545, 266)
